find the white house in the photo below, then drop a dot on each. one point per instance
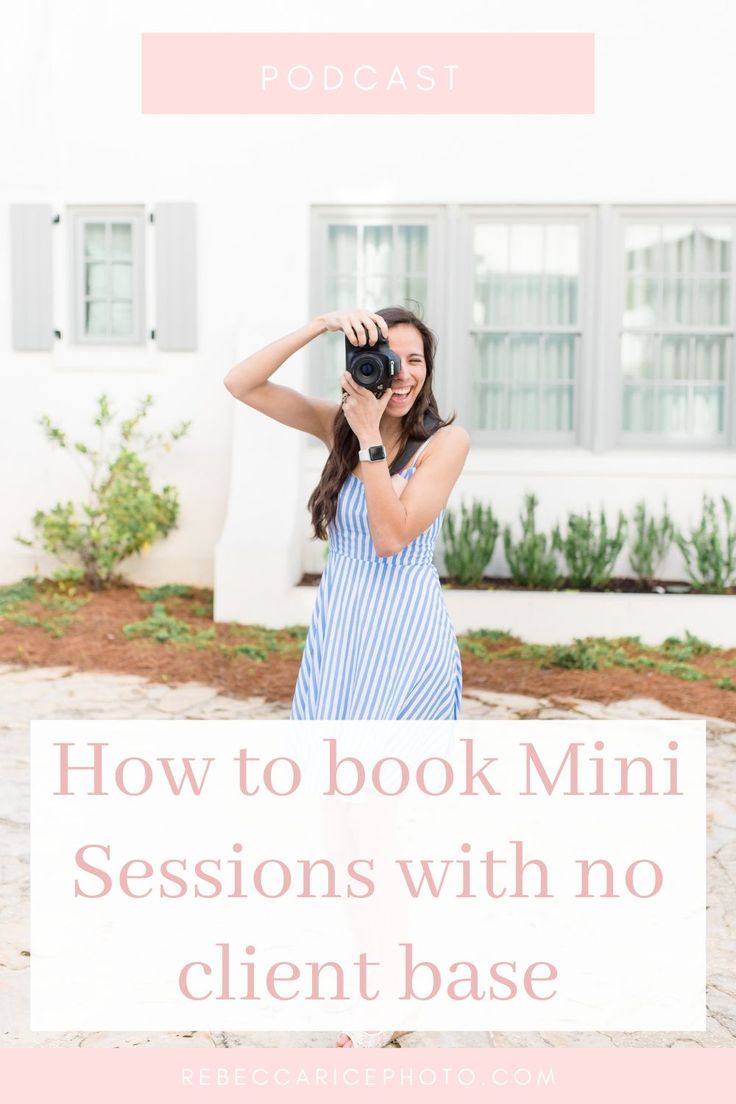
(579, 271)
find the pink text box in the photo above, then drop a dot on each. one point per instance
(368, 74)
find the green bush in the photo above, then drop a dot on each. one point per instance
(651, 541)
(588, 549)
(122, 513)
(469, 540)
(710, 551)
(531, 559)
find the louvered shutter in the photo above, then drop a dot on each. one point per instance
(175, 227)
(31, 276)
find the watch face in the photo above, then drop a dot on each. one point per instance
(377, 452)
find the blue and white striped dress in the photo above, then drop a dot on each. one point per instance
(380, 645)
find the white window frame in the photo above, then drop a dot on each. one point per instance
(585, 218)
(79, 216)
(598, 402)
(614, 435)
(379, 215)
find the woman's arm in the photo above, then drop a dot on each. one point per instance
(249, 380)
(395, 521)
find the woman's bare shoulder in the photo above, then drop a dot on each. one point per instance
(451, 438)
(448, 441)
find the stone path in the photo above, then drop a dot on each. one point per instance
(60, 692)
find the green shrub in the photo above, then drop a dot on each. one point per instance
(122, 513)
(469, 540)
(168, 590)
(164, 628)
(710, 551)
(587, 548)
(651, 541)
(531, 559)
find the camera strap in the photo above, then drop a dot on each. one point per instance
(431, 424)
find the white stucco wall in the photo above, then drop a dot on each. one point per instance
(661, 133)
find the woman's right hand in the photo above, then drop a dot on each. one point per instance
(361, 327)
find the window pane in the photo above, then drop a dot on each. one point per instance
(95, 319)
(342, 293)
(561, 266)
(710, 358)
(122, 319)
(712, 307)
(491, 248)
(558, 357)
(674, 362)
(122, 240)
(677, 297)
(412, 288)
(641, 302)
(526, 251)
(642, 248)
(638, 412)
(122, 281)
(491, 242)
(491, 356)
(342, 249)
(95, 278)
(523, 404)
(377, 249)
(638, 356)
(526, 262)
(94, 239)
(561, 300)
(489, 301)
(412, 248)
(673, 409)
(377, 292)
(708, 410)
(523, 358)
(524, 300)
(678, 249)
(689, 290)
(489, 407)
(555, 409)
(715, 250)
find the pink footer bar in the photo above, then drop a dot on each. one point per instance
(367, 73)
(202, 1074)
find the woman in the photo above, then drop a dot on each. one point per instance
(380, 644)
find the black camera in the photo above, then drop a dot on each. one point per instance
(372, 366)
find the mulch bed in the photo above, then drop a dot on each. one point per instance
(621, 585)
(93, 639)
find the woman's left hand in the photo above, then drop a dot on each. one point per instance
(363, 411)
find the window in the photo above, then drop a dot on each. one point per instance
(373, 261)
(676, 341)
(559, 325)
(107, 278)
(525, 319)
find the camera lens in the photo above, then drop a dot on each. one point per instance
(366, 369)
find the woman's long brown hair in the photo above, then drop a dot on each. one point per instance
(344, 455)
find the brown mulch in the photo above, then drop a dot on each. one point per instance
(619, 585)
(94, 640)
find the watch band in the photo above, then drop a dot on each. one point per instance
(373, 452)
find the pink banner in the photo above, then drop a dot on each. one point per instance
(565, 1076)
(368, 74)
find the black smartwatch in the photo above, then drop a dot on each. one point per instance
(373, 452)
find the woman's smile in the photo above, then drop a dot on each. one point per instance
(407, 342)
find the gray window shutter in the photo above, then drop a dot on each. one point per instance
(175, 234)
(31, 276)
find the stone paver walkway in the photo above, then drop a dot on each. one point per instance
(60, 692)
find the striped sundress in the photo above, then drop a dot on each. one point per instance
(380, 644)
